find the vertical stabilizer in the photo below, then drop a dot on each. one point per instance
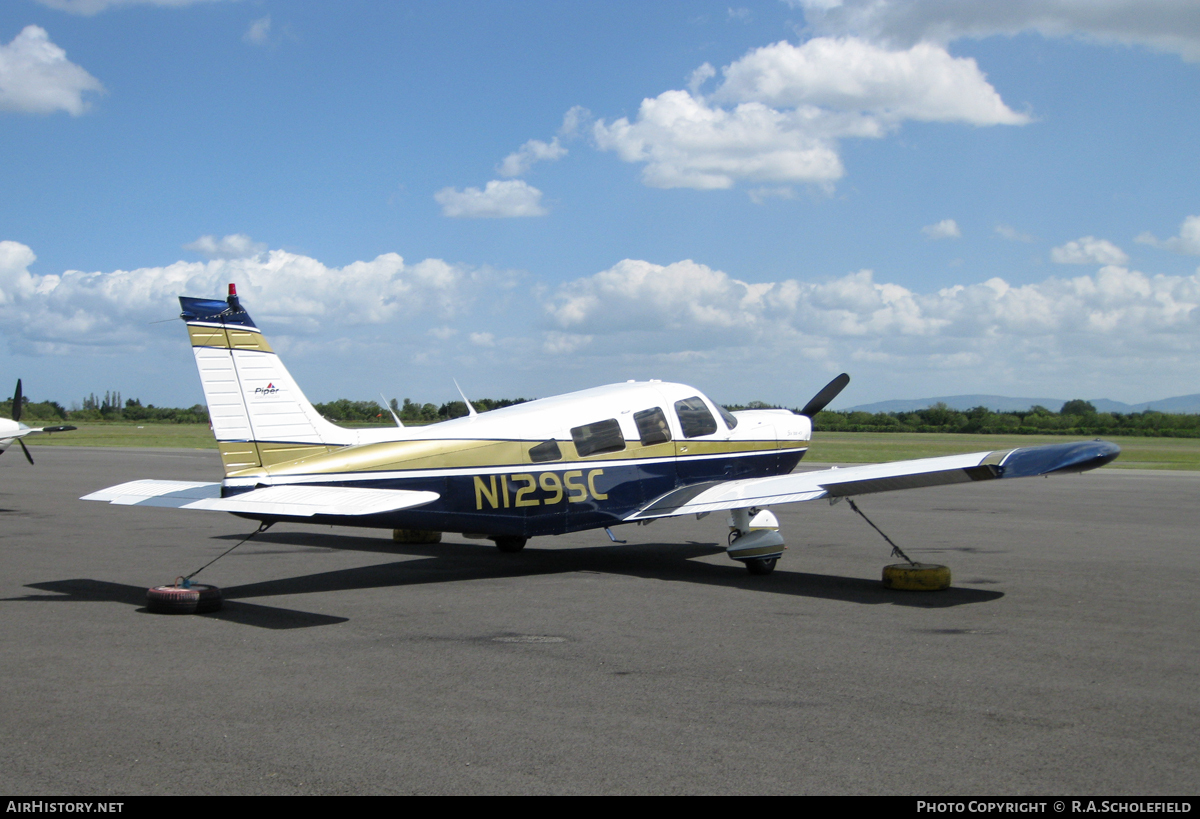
(259, 416)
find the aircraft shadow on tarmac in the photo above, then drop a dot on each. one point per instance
(84, 590)
(451, 562)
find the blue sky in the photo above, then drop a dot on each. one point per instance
(939, 198)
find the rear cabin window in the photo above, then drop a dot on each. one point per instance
(545, 451)
(695, 417)
(652, 426)
(602, 436)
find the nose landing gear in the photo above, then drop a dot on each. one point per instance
(754, 539)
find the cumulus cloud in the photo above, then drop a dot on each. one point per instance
(699, 77)
(922, 82)
(1188, 240)
(1012, 234)
(574, 121)
(1089, 250)
(686, 143)
(681, 321)
(89, 7)
(780, 111)
(62, 312)
(258, 31)
(760, 195)
(234, 246)
(520, 161)
(560, 344)
(36, 77)
(1165, 25)
(499, 199)
(689, 308)
(945, 229)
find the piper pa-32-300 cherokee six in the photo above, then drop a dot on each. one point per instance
(622, 453)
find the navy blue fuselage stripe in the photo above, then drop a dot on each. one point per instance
(466, 506)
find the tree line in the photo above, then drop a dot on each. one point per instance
(1076, 417)
(410, 412)
(111, 408)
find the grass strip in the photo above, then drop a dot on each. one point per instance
(827, 447)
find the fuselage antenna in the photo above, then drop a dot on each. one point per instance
(470, 409)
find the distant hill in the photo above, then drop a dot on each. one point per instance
(1002, 403)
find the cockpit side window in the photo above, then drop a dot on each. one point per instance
(729, 417)
(652, 426)
(602, 436)
(694, 417)
(545, 451)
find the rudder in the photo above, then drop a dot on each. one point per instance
(258, 413)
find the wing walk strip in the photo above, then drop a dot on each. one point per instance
(289, 501)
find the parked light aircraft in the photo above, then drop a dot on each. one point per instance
(618, 454)
(14, 430)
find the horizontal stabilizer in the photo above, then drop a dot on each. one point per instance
(283, 501)
(862, 480)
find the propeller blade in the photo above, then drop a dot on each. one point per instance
(63, 428)
(827, 394)
(16, 410)
(25, 449)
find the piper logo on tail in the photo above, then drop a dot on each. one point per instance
(270, 389)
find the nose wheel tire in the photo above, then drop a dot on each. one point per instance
(510, 544)
(760, 565)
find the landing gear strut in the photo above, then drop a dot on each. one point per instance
(509, 543)
(754, 539)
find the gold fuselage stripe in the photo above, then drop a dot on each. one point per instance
(402, 456)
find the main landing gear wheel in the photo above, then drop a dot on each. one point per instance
(760, 565)
(415, 536)
(510, 543)
(195, 599)
(916, 577)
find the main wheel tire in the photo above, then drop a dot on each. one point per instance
(415, 536)
(197, 599)
(916, 577)
(760, 565)
(510, 543)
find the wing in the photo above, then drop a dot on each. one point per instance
(861, 480)
(290, 501)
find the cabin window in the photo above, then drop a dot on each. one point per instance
(695, 417)
(545, 451)
(730, 418)
(652, 426)
(602, 436)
